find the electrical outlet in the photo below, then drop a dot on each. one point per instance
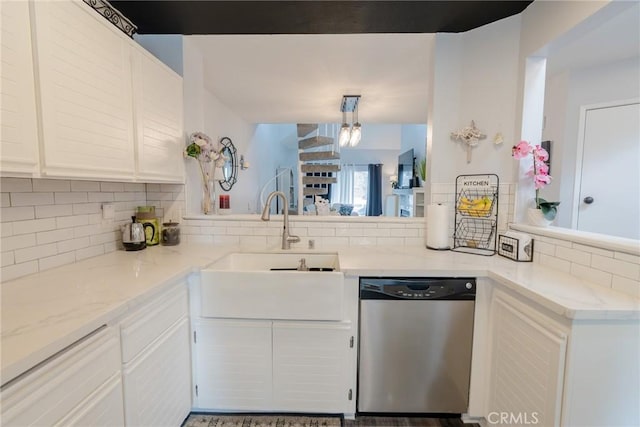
(108, 211)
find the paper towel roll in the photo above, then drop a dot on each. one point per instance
(438, 226)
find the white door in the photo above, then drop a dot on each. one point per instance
(609, 191)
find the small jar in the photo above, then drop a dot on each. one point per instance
(170, 233)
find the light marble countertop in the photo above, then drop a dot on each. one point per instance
(46, 312)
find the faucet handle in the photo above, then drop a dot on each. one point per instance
(293, 239)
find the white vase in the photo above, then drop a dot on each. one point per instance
(535, 217)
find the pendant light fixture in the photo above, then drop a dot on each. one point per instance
(356, 129)
(350, 135)
(345, 131)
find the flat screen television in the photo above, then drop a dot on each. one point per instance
(405, 169)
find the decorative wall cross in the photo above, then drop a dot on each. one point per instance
(470, 135)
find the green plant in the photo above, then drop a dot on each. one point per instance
(549, 209)
(422, 169)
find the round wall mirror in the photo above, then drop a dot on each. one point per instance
(230, 167)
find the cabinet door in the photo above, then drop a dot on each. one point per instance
(19, 128)
(311, 366)
(527, 365)
(84, 69)
(233, 364)
(157, 383)
(102, 409)
(159, 130)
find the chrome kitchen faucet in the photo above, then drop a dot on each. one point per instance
(287, 239)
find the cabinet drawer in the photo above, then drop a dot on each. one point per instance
(151, 320)
(46, 394)
(104, 408)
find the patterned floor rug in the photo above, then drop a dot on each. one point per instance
(217, 420)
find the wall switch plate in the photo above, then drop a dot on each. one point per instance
(108, 211)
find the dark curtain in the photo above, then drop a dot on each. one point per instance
(374, 195)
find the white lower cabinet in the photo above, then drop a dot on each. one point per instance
(157, 386)
(264, 365)
(527, 364)
(548, 370)
(78, 386)
(233, 364)
(156, 358)
(310, 369)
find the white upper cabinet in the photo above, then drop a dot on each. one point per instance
(18, 123)
(159, 129)
(84, 67)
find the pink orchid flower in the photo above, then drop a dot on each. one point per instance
(539, 181)
(522, 150)
(540, 153)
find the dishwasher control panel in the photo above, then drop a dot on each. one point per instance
(417, 288)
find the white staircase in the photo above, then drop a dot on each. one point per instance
(317, 165)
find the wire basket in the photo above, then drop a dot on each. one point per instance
(475, 202)
(476, 214)
(476, 234)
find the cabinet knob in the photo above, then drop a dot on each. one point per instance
(588, 200)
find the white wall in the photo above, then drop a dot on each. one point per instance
(475, 78)
(574, 89)
(205, 113)
(543, 24)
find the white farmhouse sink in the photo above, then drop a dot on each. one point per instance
(267, 286)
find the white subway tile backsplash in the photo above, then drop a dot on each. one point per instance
(56, 261)
(100, 197)
(60, 221)
(153, 188)
(573, 255)
(124, 197)
(35, 252)
(107, 237)
(592, 275)
(18, 270)
(45, 237)
(7, 258)
(71, 197)
(112, 186)
(617, 267)
(49, 211)
(553, 262)
(71, 221)
(87, 208)
(73, 244)
(16, 185)
(89, 252)
(18, 242)
(591, 249)
(6, 229)
(628, 286)
(391, 241)
(134, 186)
(34, 225)
(85, 186)
(544, 247)
(31, 199)
(51, 185)
(627, 257)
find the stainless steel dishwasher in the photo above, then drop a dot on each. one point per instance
(415, 344)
